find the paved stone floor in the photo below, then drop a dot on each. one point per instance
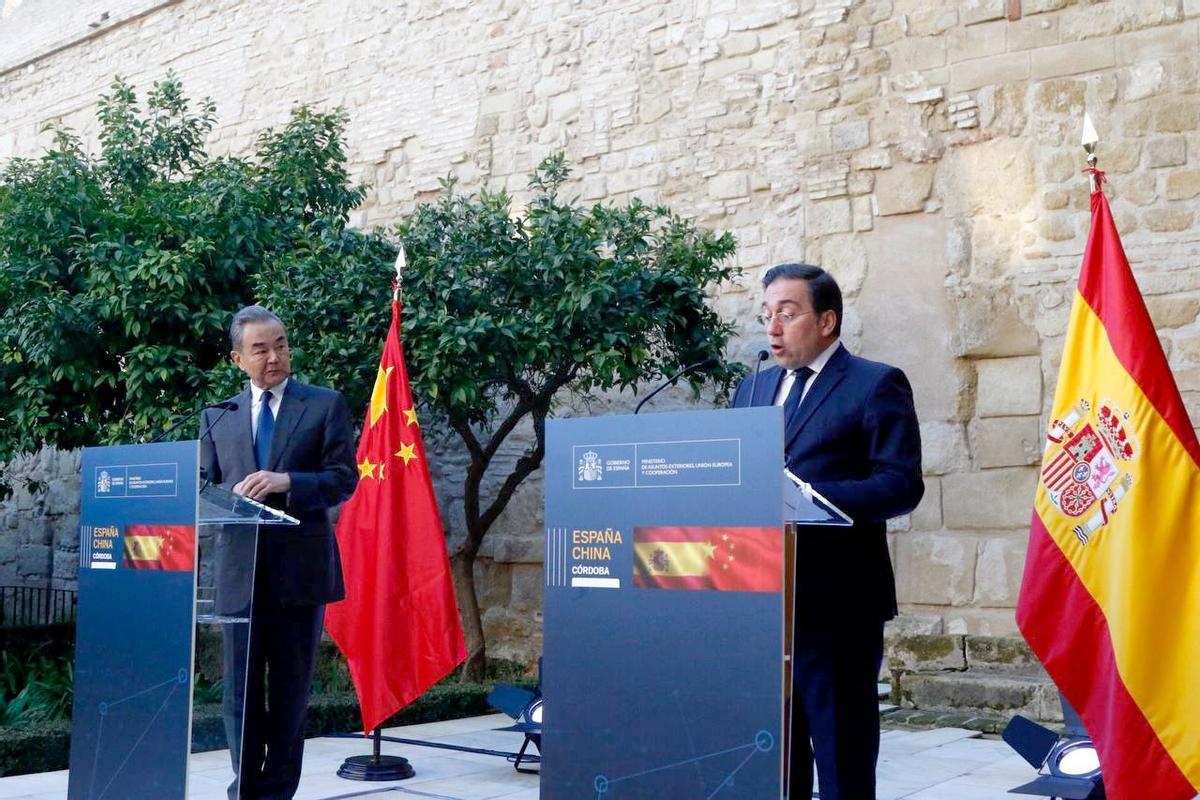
(939, 764)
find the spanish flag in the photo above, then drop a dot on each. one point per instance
(166, 547)
(1110, 600)
(720, 559)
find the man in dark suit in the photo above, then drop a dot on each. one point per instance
(291, 447)
(850, 430)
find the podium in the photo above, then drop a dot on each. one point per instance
(666, 605)
(152, 534)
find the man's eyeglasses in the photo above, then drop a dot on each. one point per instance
(784, 318)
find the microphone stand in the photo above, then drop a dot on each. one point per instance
(707, 363)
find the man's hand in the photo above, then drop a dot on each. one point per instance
(257, 485)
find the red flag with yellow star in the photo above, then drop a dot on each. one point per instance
(398, 626)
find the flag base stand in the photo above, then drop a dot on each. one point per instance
(376, 767)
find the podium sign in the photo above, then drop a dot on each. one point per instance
(664, 574)
(134, 633)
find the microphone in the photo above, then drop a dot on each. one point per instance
(226, 406)
(707, 363)
(762, 356)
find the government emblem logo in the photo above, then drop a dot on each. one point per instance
(1088, 464)
(591, 466)
(103, 482)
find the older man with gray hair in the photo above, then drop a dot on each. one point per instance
(290, 446)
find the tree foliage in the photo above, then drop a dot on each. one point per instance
(506, 312)
(118, 271)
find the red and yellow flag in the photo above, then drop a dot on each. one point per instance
(1110, 600)
(167, 547)
(721, 559)
(398, 626)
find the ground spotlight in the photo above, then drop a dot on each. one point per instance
(1068, 764)
(525, 707)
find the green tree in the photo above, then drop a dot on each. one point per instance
(118, 271)
(506, 312)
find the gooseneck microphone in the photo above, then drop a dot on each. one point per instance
(763, 355)
(225, 405)
(706, 364)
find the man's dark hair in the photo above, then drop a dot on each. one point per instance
(823, 290)
(246, 316)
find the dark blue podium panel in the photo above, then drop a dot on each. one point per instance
(134, 633)
(663, 662)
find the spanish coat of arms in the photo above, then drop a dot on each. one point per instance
(1086, 468)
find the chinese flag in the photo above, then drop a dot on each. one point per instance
(720, 559)
(1110, 600)
(166, 547)
(398, 626)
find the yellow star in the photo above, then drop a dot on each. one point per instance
(408, 452)
(379, 394)
(410, 416)
(709, 549)
(366, 469)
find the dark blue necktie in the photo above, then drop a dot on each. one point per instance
(266, 427)
(792, 401)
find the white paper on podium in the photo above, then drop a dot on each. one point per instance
(807, 506)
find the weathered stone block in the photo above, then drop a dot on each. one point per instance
(1030, 32)
(1168, 220)
(1177, 115)
(1000, 651)
(914, 55)
(943, 448)
(527, 587)
(935, 569)
(1169, 151)
(828, 216)
(1008, 386)
(729, 186)
(851, 135)
(904, 188)
(1169, 311)
(995, 499)
(1006, 441)
(927, 653)
(999, 69)
(983, 691)
(998, 570)
(928, 514)
(1073, 58)
(1183, 185)
(976, 11)
(977, 41)
(989, 325)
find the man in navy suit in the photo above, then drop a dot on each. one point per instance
(850, 431)
(290, 446)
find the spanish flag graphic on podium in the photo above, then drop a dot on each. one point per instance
(1110, 600)
(715, 559)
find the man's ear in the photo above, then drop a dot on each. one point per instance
(828, 322)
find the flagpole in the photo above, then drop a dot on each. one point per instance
(401, 263)
(378, 767)
(1089, 140)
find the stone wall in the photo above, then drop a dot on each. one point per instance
(925, 152)
(39, 521)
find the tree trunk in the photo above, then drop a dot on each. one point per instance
(463, 567)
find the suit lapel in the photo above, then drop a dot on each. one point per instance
(290, 412)
(243, 436)
(767, 387)
(829, 377)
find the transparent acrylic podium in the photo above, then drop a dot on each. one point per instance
(229, 526)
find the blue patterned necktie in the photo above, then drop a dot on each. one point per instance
(792, 401)
(266, 427)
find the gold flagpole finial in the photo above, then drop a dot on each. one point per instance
(1089, 140)
(401, 263)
